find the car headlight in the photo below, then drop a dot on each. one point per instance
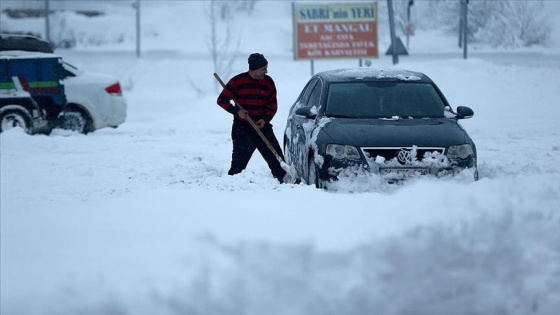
(343, 152)
(462, 151)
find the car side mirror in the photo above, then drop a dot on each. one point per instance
(464, 112)
(306, 112)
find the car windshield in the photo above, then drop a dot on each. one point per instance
(384, 99)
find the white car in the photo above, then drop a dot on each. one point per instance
(95, 101)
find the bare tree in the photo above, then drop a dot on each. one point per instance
(506, 23)
(516, 23)
(224, 44)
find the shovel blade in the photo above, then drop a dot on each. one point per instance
(290, 177)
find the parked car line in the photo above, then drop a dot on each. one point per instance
(94, 101)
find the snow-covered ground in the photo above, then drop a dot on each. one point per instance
(144, 219)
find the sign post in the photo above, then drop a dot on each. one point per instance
(409, 28)
(465, 28)
(335, 30)
(138, 34)
(47, 23)
(394, 52)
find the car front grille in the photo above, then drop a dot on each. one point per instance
(403, 154)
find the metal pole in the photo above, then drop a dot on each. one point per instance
(465, 27)
(312, 68)
(461, 19)
(137, 28)
(408, 27)
(392, 31)
(47, 24)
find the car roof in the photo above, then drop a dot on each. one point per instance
(20, 54)
(371, 74)
(24, 42)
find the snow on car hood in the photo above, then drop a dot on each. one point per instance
(391, 133)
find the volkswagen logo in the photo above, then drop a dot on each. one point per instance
(404, 156)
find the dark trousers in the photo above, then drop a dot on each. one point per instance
(246, 140)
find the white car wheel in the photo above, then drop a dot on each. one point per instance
(74, 120)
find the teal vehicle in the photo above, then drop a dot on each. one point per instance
(32, 94)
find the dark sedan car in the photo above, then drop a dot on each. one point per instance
(395, 123)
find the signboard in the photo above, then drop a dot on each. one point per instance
(335, 30)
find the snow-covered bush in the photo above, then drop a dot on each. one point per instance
(516, 23)
(506, 23)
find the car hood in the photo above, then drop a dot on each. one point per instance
(391, 133)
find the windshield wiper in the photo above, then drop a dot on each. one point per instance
(339, 116)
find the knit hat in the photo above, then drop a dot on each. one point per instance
(257, 61)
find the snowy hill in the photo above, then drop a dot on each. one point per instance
(144, 219)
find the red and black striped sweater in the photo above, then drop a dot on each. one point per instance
(257, 97)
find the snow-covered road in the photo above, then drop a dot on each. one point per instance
(124, 220)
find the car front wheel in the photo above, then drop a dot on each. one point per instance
(14, 118)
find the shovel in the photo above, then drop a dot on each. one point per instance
(290, 172)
